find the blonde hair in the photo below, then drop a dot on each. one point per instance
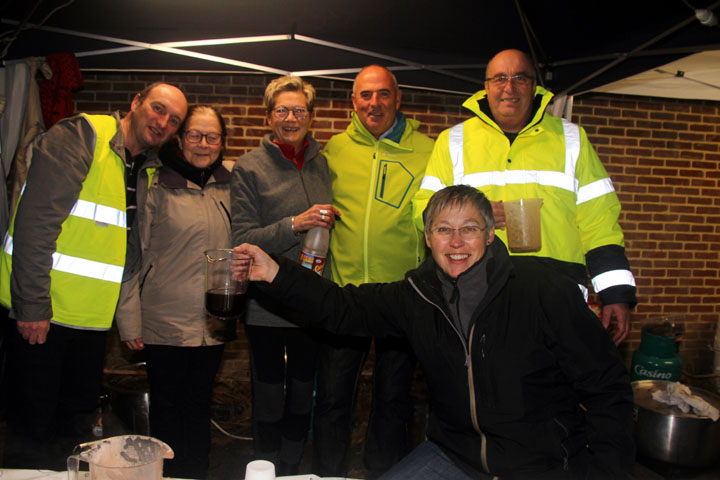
(289, 83)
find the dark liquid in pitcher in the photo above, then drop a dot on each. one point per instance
(224, 303)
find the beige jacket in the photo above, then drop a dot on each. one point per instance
(164, 301)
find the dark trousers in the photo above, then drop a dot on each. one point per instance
(4, 388)
(181, 381)
(282, 392)
(54, 390)
(388, 438)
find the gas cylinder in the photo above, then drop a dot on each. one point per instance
(657, 357)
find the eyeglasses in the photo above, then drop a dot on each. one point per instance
(469, 232)
(193, 136)
(300, 113)
(520, 79)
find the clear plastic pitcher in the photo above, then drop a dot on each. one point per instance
(224, 296)
(522, 218)
(127, 457)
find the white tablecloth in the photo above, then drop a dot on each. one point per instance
(50, 475)
(36, 474)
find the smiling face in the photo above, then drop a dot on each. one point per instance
(376, 99)
(201, 155)
(511, 103)
(154, 119)
(290, 130)
(454, 254)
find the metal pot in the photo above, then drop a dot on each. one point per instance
(666, 434)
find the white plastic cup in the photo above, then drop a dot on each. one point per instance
(260, 470)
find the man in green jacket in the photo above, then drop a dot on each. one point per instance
(376, 166)
(513, 149)
(62, 265)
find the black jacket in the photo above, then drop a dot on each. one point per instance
(535, 354)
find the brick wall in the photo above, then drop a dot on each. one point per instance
(663, 156)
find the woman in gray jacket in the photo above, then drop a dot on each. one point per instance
(183, 210)
(280, 191)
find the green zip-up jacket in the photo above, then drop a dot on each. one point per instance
(373, 182)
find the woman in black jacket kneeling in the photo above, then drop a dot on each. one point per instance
(524, 380)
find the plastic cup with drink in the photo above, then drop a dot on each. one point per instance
(522, 218)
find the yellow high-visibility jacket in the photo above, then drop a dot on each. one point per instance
(551, 159)
(373, 182)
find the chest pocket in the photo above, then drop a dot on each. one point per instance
(393, 183)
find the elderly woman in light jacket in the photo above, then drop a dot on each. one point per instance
(183, 210)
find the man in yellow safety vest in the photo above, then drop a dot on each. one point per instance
(62, 264)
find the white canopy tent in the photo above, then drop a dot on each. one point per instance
(696, 77)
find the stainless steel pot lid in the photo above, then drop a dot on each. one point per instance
(643, 389)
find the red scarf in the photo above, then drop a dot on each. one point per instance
(288, 151)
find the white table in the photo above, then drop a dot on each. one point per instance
(9, 474)
(6, 474)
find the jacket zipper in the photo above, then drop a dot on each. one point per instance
(468, 366)
(227, 213)
(382, 184)
(473, 404)
(565, 457)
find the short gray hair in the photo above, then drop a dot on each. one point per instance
(289, 83)
(458, 196)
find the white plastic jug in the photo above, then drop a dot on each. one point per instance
(127, 457)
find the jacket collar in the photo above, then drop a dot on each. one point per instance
(117, 142)
(312, 150)
(541, 101)
(170, 178)
(359, 134)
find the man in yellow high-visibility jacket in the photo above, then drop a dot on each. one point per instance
(376, 166)
(62, 263)
(513, 149)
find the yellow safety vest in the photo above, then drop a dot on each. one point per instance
(89, 259)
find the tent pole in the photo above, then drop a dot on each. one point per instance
(368, 53)
(161, 48)
(526, 28)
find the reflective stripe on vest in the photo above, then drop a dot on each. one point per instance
(77, 266)
(87, 268)
(93, 211)
(564, 180)
(99, 213)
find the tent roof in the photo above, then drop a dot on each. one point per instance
(694, 77)
(429, 44)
